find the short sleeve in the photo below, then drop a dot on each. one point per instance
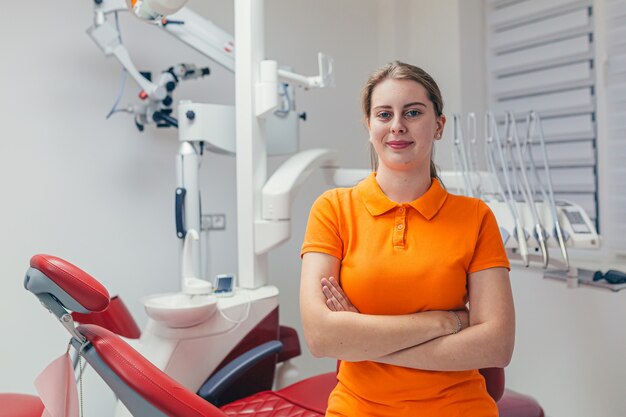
(322, 230)
(489, 250)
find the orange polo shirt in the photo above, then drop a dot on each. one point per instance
(400, 259)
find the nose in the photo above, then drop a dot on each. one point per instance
(397, 127)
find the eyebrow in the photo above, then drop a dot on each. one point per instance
(414, 103)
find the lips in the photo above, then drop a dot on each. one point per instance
(399, 144)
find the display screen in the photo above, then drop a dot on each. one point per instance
(224, 283)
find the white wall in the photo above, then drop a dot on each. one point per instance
(446, 38)
(569, 347)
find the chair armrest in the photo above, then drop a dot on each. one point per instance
(219, 382)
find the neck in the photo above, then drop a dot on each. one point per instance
(403, 186)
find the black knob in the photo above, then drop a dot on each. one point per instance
(190, 114)
(98, 1)
(302, 116)
(167, 101)
(170, 86)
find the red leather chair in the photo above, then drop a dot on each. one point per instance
(510, 403)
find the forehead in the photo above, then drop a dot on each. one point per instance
(392, 91)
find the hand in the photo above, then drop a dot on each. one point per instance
(336, 299)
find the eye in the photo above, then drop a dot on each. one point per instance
(383, 115)
(411, 114)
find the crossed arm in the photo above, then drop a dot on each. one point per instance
(424, 340)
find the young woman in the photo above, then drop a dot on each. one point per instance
(389, 265)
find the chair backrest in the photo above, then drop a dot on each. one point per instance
(494, 378)
(143, 388)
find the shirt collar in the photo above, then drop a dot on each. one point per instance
(377, 203)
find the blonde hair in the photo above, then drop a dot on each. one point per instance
(401, 71)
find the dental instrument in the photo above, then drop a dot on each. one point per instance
(519, 231)
(533, 120)
(526, 192)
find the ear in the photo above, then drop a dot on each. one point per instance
(441, 123)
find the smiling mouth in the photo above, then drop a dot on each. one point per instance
(399, 144)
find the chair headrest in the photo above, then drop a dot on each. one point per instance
(73, 287)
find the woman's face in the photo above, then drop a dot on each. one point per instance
(403, 124)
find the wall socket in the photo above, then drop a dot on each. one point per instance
(213, 222)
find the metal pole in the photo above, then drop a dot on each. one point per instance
(250, 140)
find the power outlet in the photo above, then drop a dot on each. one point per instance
(213, 222)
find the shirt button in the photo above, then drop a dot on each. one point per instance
(401, 210)
(400, 226)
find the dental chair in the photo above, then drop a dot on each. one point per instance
(147, 391)
(143, 388)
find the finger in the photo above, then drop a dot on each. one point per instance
(331, 301)
(327, 293)
(337, 305)
(336, 288)
(335, 284)
(340, 295)
(340, 298)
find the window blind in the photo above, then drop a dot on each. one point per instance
(541, 57)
